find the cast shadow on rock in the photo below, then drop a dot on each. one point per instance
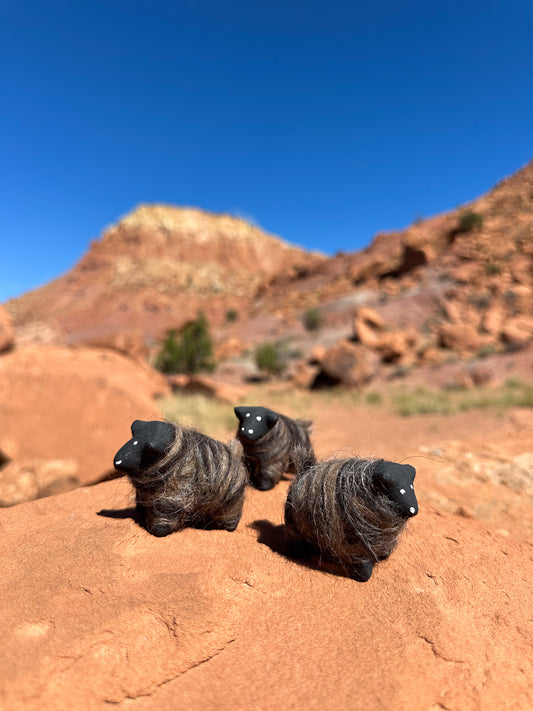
(301, 553)
(138, 516)
(129, 512)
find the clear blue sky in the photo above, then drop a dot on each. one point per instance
(324, 122)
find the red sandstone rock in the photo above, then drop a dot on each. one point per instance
(303, 375)
(365, 333)
(230, 348)
(462, 338)
(205, 385)
(370, 317)
(316, 355)
(467, 273)
(522, 269)
(347, 364)
(23, 481)
(95, 611)
(518, 331)
(75, 404)
(7, 330)
(493, 319)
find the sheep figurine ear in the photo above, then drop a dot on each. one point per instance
(255, 422)
(396, 482)
(150, 442)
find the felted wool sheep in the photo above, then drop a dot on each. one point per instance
(269, 441)
(352, 511)
(183, 477)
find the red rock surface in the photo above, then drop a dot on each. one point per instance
(72, 404)
(95, 611)
(7, 330)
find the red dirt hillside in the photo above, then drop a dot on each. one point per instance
(154, 269)
(457, 283)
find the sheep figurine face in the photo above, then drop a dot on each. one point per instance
(183, 478)
(269, 440)
(351, 510)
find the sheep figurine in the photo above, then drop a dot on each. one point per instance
(352, 511)
(183, 477)
(269, 441)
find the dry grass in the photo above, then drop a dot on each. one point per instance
(424, 401)
(218, 420)
(205, 414)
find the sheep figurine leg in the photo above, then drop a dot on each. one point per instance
(183, 478)
(351, 510)
(269, 441)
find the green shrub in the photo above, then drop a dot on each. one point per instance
(232, 315)
(492, 269)
(487, 350)
(373, 398)
(312, 319)
(469, 221)
(271, 358)
(190, 351)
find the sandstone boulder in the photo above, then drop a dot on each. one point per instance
(493, 319)
(73, 404)
(346, 364)
(467, 273)
(303, 375)
(518, 331)
(316, 355)
(205, 385)
(462, 338)
(23, 481)
(230, 348)
(522, 269)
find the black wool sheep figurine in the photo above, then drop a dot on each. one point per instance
(269, 441)
(352, 511)
(183, 478)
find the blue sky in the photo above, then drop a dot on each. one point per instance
(324, 122)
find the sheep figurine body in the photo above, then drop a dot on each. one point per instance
(269, 441)
(352, 511)
(183, 477)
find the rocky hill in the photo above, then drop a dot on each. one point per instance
(460, 282)
(151, 271)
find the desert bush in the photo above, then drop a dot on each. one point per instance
(373, 398)
(232, 315)
(492, 269)
(479, 301)
(190, 351)
(312, 319)
(487, 350)
(271, 358)
(469, 221)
